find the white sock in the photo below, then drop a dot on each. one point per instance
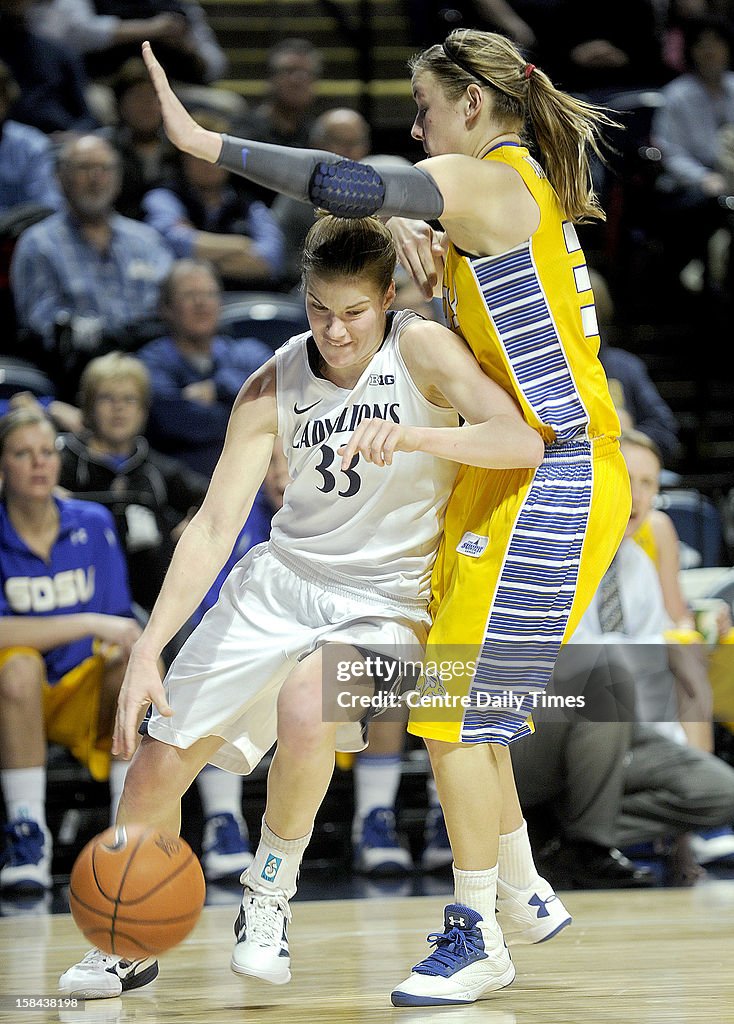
(24, 791)
(220, 793)
(516, 864)
(277, 863)
(376, 783)
(478, 890)
(118, 771)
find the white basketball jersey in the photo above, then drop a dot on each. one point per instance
(377, 526)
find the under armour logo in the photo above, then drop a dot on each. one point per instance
(536, 901)
(457, 922)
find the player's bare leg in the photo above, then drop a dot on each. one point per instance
(299, 776)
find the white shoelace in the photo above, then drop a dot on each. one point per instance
(98, 956)
(265, 918)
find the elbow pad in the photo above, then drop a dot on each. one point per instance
(342, 187)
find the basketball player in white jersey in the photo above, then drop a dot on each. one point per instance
(366, 405)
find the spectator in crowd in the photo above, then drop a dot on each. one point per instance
(150, 496)
(630, 603)
(195, 374)
(146, 154)
(108, 32)
(87, 268)
(695, 665)
(598, 55)
(66, 630)
(26, 158)
(287, 112)
(206, 213)
(679, 15)
(638, 402)
(614, 782)
(694, 130)
(584, 47)
(63, 415)
(341, 131)
(52, 80)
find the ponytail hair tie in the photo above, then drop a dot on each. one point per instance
(529, 68)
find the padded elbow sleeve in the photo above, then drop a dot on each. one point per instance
(342, 187)
(350, 189)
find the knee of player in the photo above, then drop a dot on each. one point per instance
(300, 716)
(21, 678)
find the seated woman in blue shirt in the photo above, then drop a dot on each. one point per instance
(66, 630)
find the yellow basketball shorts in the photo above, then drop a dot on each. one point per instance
(71, 710)
(522, 555)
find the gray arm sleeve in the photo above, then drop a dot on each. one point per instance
(327, 181)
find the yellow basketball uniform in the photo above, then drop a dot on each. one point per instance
(523, 551)
(71, 710)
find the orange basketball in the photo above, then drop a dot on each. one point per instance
(136, 891)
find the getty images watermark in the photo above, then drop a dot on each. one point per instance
(431, 690)
(582, 682)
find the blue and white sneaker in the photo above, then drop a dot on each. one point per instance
(26, 861)
(462, 968)
(713, 846)
(101, 976)
(377, 849)
(225, 847)
(261, 929)
(530, 915)
(437, 848)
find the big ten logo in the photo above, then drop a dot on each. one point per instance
(381, 378)
(170, 846)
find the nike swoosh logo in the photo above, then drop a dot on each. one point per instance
(298, 411)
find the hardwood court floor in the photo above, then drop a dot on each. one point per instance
(654, 957)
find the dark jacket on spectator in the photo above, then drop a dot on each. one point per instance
(51, 81)
(147, 493)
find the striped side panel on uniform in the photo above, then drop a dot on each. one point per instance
(522, 317)
(530, 610)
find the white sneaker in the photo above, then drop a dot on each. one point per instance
(529, 915)
(468, 963)
(261, 950)
(26, 861)
(101, 976)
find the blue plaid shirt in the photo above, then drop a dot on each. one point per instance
(55, 269)
(26, 168)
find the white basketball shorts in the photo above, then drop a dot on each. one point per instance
(271, 613)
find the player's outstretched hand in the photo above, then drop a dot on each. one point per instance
(376, 441)
(141, 686)
(181, 128)
(421, 251)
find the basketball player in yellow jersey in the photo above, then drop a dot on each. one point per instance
(523, 551)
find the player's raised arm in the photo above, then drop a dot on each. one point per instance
(343, 187)
(203, 548)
